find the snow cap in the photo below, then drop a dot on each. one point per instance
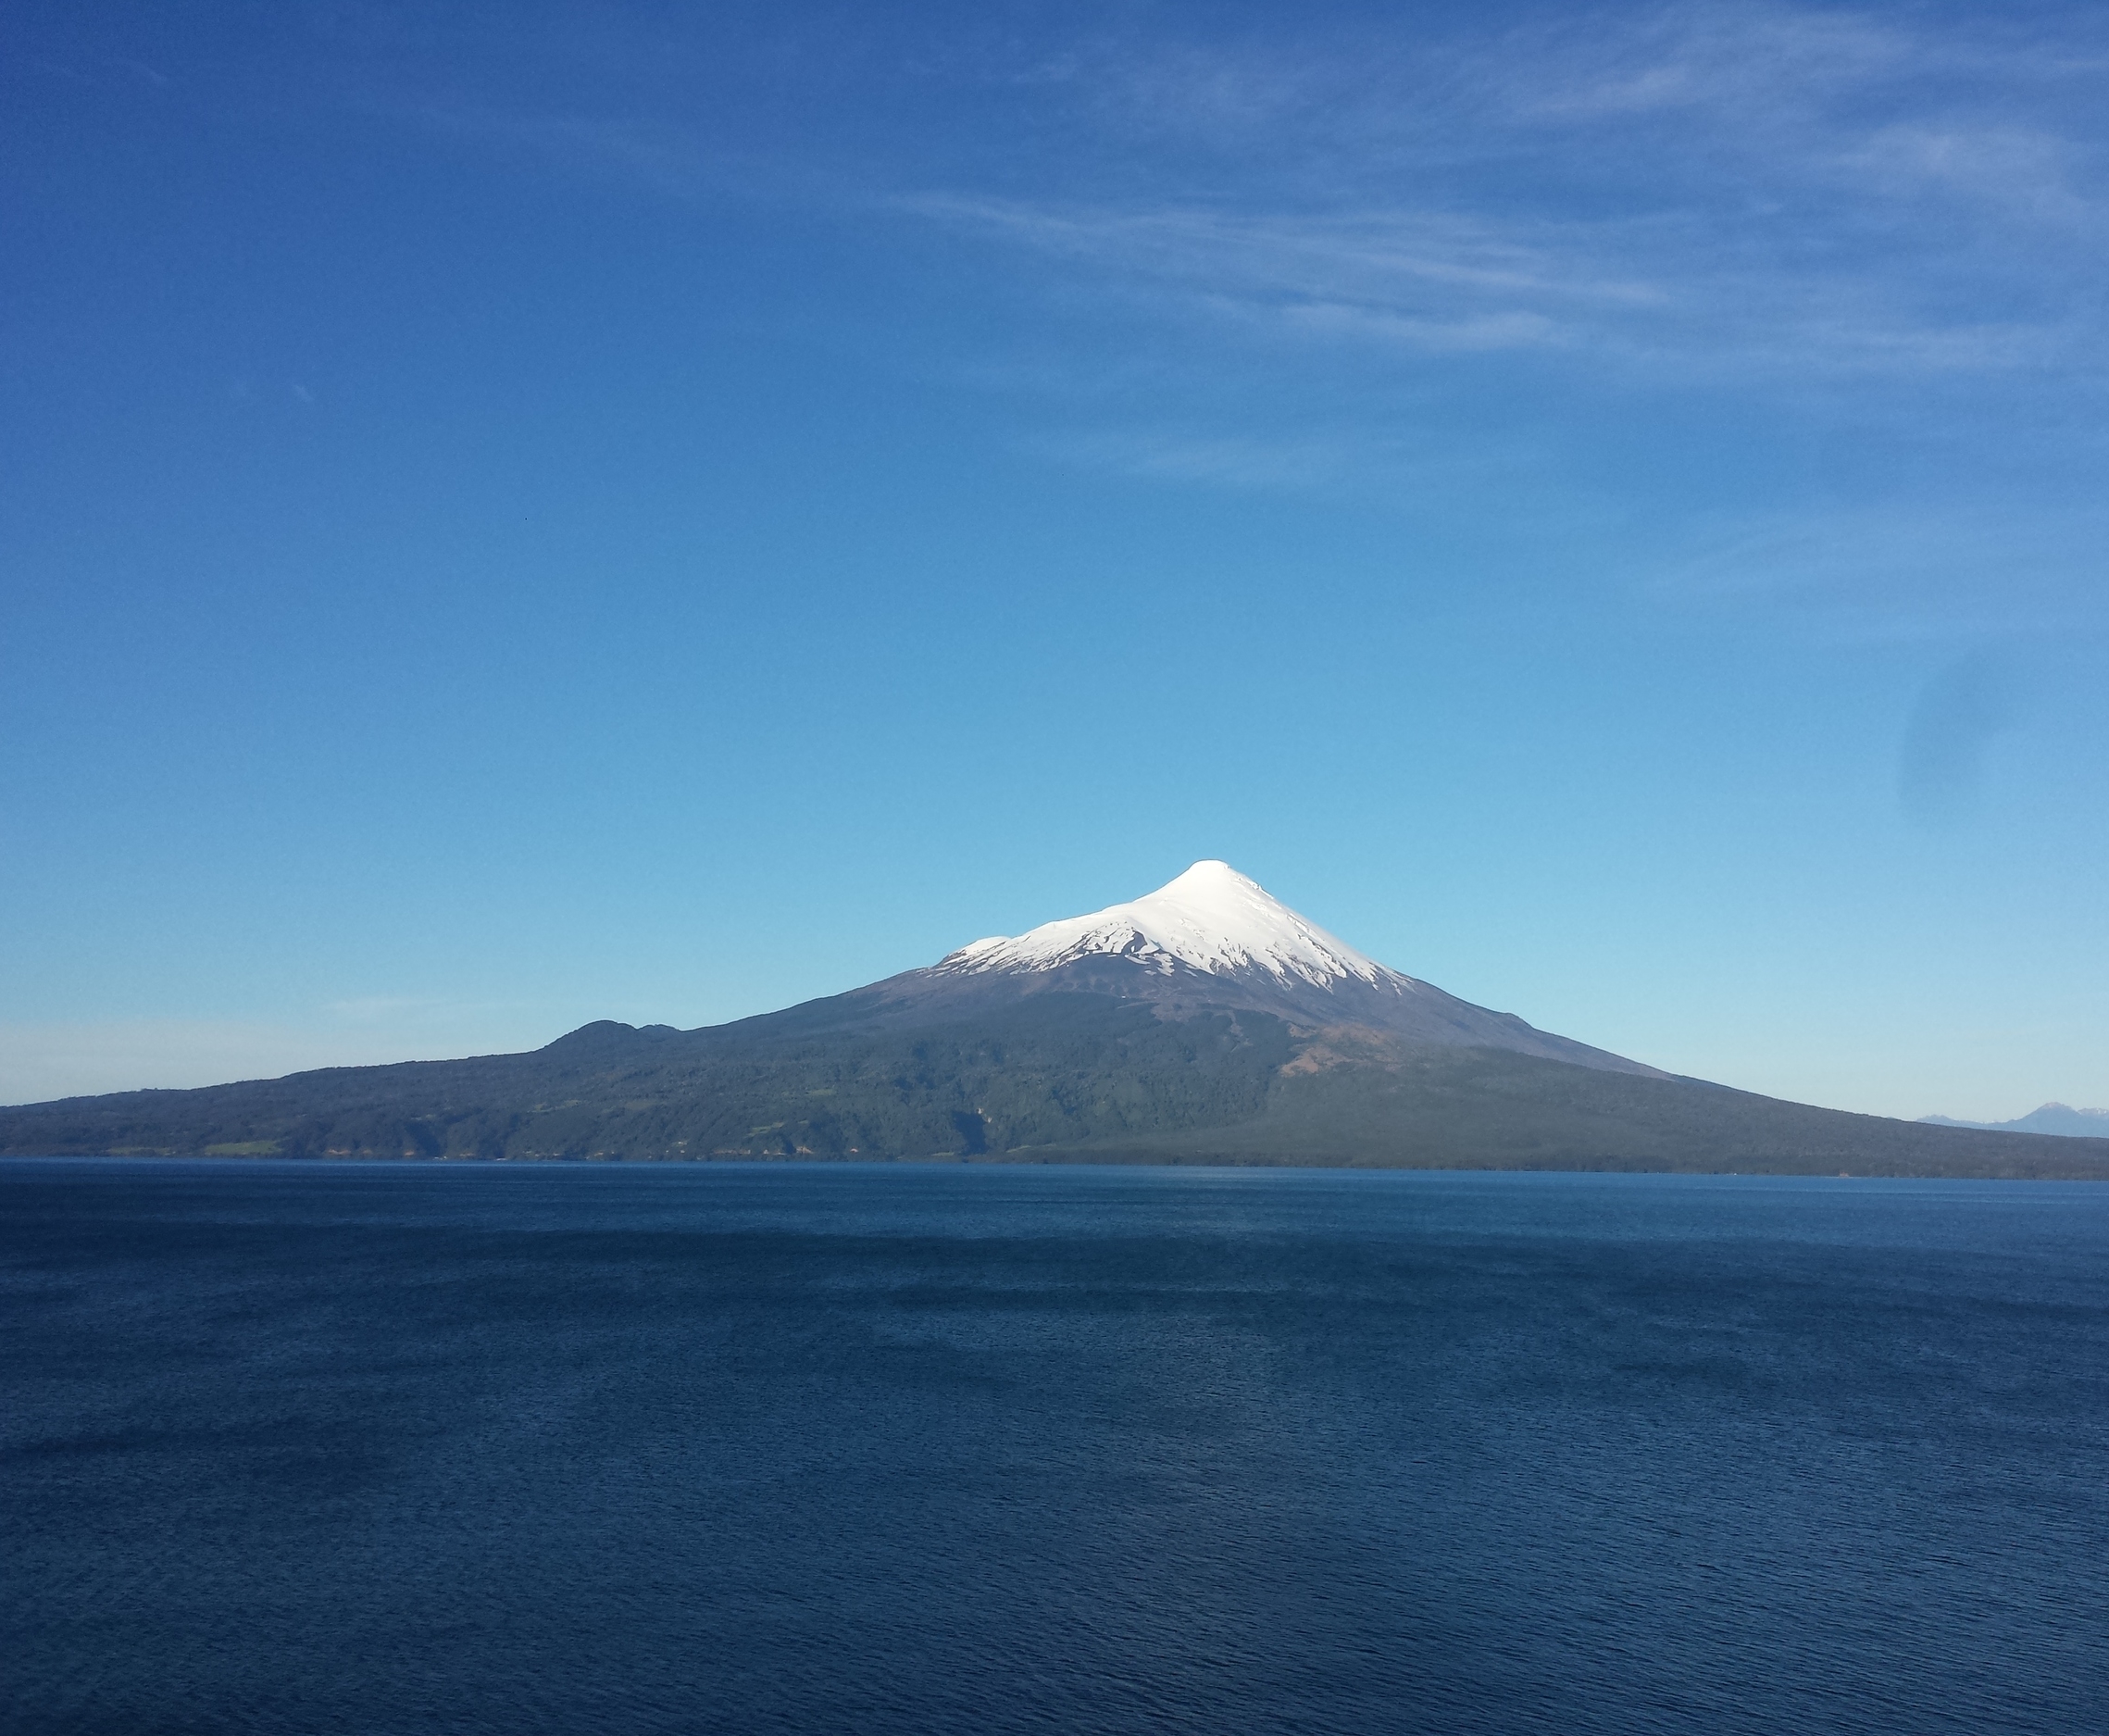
(1211, 917)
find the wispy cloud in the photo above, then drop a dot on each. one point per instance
(105, 70)
(1971, 571)
(1766, 65)
(1726, 190)
(1633, 293)
(1751, 192)
(1883, 221)
(1424, 278)
(1241, 461)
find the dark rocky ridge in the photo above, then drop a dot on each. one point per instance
(1056, 1076)
(1422, 1015)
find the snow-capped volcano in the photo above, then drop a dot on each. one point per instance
(1211, 917)
(1213, 941)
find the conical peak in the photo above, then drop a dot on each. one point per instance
(1208, 868)
(1210, 879)
(1211, 918)
(1216, 892)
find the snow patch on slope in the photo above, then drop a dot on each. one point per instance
(1211, 917)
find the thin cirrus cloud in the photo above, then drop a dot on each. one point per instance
(1427, 280)
(1633, 293)
(1275, 464)
(1767, 191)
(1720, 193)
(1888, 222)
(1818, 551)
(1882, 229)
(1969, 571)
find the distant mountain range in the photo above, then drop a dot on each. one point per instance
(2058, 1118)
(1205, 1023)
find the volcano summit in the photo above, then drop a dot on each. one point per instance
(1210, 942)
(1206, 1022)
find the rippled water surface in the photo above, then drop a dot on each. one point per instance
(390, 1449)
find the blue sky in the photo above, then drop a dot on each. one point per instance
(536, 514)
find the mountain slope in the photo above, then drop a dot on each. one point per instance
(1206, 1023)
(1210, 942)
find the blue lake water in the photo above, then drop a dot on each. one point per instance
(976, 1449)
